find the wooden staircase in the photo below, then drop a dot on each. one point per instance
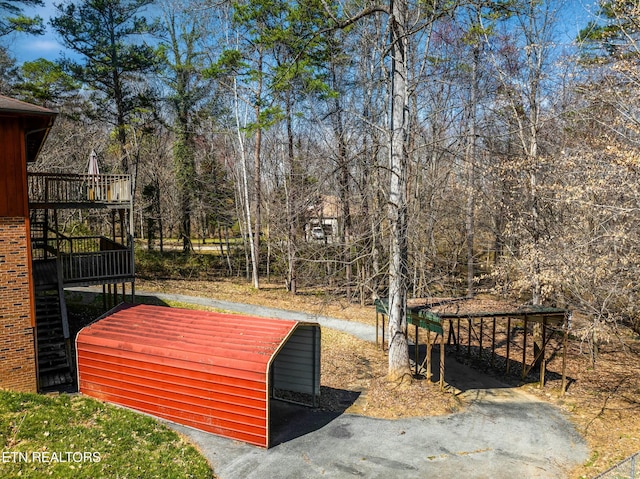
(55, 366)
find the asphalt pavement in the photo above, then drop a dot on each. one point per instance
(502, 432)
(495, 437)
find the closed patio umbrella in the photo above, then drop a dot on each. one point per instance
(93, 170)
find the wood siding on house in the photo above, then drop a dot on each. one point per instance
(13, 169)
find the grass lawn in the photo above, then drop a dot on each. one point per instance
(67, 436)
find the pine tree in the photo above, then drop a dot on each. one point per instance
(112, 64)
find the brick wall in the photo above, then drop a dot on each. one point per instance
(17, 352)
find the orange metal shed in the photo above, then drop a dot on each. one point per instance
(211, 371)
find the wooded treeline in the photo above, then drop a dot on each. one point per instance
(463, 146)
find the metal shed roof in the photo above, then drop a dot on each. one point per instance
(210, 371)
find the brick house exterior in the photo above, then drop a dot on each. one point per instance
(23, 130)
(17, 348)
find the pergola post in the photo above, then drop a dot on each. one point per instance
(493, 343)
(442, 360)
(508, 344)
(543, 360)
(524, 348)
(428, 358)
(565, 337)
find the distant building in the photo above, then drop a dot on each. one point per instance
(324, 219)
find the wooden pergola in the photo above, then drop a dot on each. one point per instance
(481, 329)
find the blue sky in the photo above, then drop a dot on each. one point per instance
(27, 48)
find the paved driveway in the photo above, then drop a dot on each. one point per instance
(502, 433)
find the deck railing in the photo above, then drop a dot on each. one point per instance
(46, 242)
(96, 267)
(95, 259)
(68, 188)
(87, 259)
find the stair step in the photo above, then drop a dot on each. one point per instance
(50, 365)
(50, 349)
(52, 340)
(53, 360)
(54, 366)
(47, 366)
(54, 353)
(52, 357)
(51, 337)
(48, 320)
(49, 326)
(58, 379)
(46, 308)
(50, 310)
(63, 368)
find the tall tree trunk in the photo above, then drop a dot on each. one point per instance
(471, 169)
(292, 199)
(397, 206)
(185, 172)
(344, 179)
(256, 178)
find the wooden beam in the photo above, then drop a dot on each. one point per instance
(428, 358)
(543, 363)
(442, 362)
(524, 348)
(508, 344)
(480, 339)
(416, 350)
(565, 328)
(493, 343)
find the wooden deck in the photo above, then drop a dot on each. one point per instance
(55, 191)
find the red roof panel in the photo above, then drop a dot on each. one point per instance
(202, 369)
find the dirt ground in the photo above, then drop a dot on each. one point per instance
(602, 399)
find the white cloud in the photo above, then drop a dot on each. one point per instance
(42, 45)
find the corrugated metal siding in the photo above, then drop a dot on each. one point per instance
(297, 365)
(205, 370)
